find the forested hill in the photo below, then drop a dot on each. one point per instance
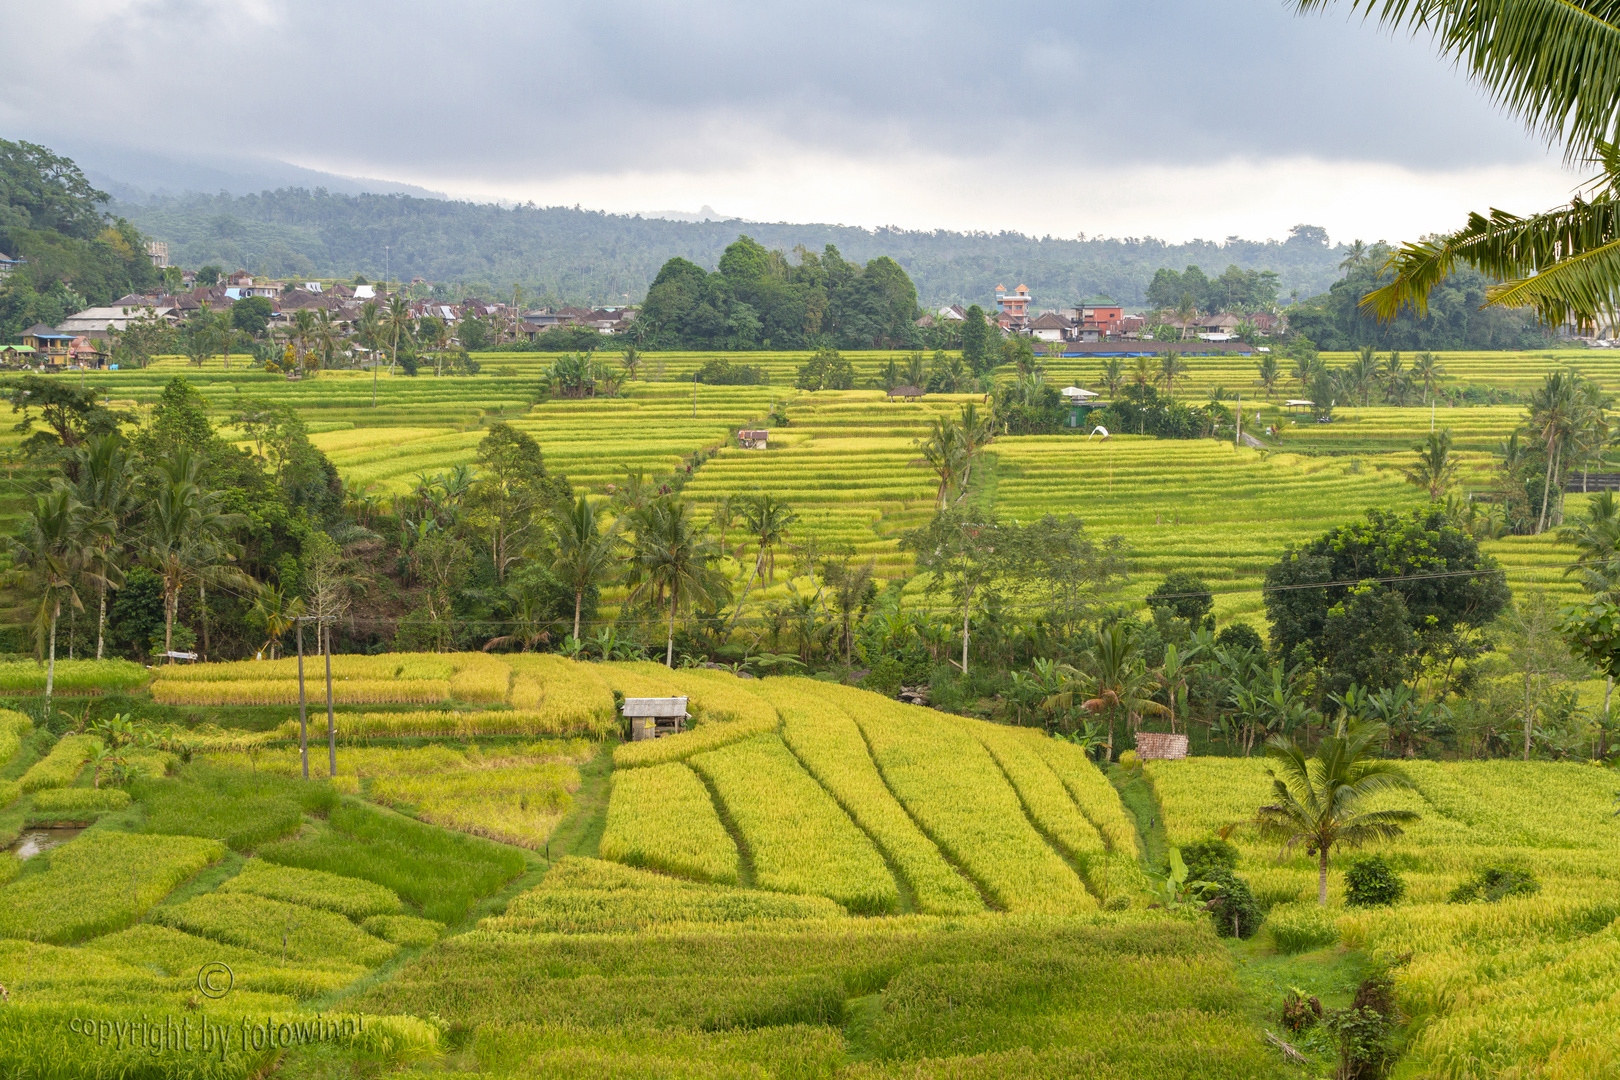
(579, 256)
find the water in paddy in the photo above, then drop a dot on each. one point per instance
(34, 841)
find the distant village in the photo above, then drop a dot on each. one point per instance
(85, 338)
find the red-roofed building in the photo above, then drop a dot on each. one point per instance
(1012, 308)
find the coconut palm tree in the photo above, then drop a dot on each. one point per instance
(188, 537)
(1553, 64)
(1112, 678)
(303, 335)
(1362, 373)
(106, 489)
(1113, 375)
(1319, 796)
(584, 552)
(278, 612)
(1554, 415)
(1356, 256)
(396, 323)
(51, 557)
(672, 562)
(1270, 375)
(1436, 468)
(768, 520)
(1428, 371)
(1306, 369)
(1186, 312)
(1171, 367)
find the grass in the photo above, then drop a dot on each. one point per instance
(244, 809)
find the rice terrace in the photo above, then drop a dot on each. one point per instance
(459, 637)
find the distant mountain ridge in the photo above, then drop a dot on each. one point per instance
(570, 255)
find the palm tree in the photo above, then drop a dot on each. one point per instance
(1171, 366)
(51, 556)
(584, 551)
(1436, 468)
(106, 489)
(371, 334)
(631, 361)
(1363, 372)
(1428, 370)
(672, 561)
(1358, 255)
(1564, 263)
(278, 612)
(768, 521)
(1142, 373)
(325, 337)
(915, 371)
(1319, 796)
(1306, 369)
(1554, 411)
(1113, 375)
(188, 538)
(1186, 311)
(1597, 538)
(1270, 375)
(1115, 676)
(396, 322)
(303, 335)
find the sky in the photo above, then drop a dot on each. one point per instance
(1179, 119)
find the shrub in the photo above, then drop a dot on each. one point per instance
(721, 372)
(1372, 882)
(1492, 883)
(1240, 636)
(1300, 1012)
(1231, 905)
(1204, 855)
(1364, 1028)
(1297, 928)
(79, 802)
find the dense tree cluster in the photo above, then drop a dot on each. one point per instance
(1236, 290)
(76, 254)
(759, 299)
(1457, 317)
(566, 255)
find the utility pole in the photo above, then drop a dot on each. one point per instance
(303, 713)
(694, 395)
(1237, 440)
(331, 723)
(303, 719)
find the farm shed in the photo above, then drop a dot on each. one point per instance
(753, 440)
(1157, 746)
(655, 717)
(1298, 405)
(908, 393)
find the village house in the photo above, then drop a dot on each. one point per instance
(1012, 308)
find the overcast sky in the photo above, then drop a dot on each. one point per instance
(1178, 119)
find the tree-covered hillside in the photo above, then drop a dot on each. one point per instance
(579, 256)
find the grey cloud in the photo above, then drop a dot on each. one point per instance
(505, 90)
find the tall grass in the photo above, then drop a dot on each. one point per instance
(244, 809)
(440, 872)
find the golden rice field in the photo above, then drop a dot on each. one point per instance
(813, 881)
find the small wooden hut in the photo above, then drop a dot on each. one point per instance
(655, 717)
(753, 440)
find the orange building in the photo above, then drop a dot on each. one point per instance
(1012, 307)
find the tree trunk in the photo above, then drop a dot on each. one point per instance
(171, 604)
(1603, 734)
(101, 622)
(669, 653)
(965, 606)
(579, 597)
(1546, 489)
(202, 613)
(50, 668)
(1321, 879)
